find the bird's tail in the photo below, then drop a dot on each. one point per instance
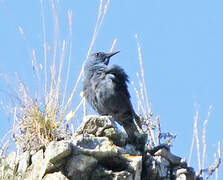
(134, 136)
(137, 118)
(131, 130)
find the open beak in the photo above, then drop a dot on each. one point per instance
(108, 55)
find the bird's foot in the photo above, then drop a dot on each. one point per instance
(139, 141)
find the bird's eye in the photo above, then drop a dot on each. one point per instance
(97, 54)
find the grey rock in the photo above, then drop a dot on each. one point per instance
(98, 151)
(12, 160)
(185, 174)
(174, 160)
(117, 137)
(51, 167)
(162, 166)
(80, 166)
(154, 167)
(98, 147)
(109, 155)
(8, 165)
(42, 167)
(24, 161)
(55, 176)
(57, 150)
(38, 169)
(94, 125)
(102, 126)
(102, 173)
(54, 159)
(129, 149)
(135, 162)
(37, 156)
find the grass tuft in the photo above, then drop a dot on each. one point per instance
(47, 114)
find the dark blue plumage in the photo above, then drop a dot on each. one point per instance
(105, 88)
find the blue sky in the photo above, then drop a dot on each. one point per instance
(182, 43)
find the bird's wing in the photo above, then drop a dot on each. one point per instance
(119, 73)
(120, 100)
(120, 78)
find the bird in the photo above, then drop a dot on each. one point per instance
(105, 88)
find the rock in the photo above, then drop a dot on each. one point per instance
(110, 156)
(8, 165)
(98, 147)
(55, 153)
(38, 169)
(94, 125)
(117, 137)
(37, 156)
(162, 162)
(174, 160)
(162, 166)
(55, 176)
(57, 150)
(42, 167)
(24, 162)
(51, 167)
(98, 151)
(102, 126)
(38, 166)
(80, 166)
(11, 160)
(101, 173)
(129, 149)
(154, 167)
(185, 174)
(135, 162)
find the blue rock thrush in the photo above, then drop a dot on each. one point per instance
(106, 90)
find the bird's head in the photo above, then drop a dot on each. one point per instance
(102, 57)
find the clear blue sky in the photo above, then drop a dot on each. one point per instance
(182, 44)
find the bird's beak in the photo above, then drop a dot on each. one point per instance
(108, 55)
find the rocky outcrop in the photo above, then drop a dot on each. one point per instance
(98, 151)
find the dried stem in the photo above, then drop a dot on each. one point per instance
(113, 45)
(213, 168)
(143, 76)
(196, 135)
(70, 53)
(44, 49)
(158, 130)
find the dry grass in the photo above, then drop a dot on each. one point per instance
(204, 170)
(144, 105)
(45, 115)
(35, 127)
(39, 115)
(151, 125)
